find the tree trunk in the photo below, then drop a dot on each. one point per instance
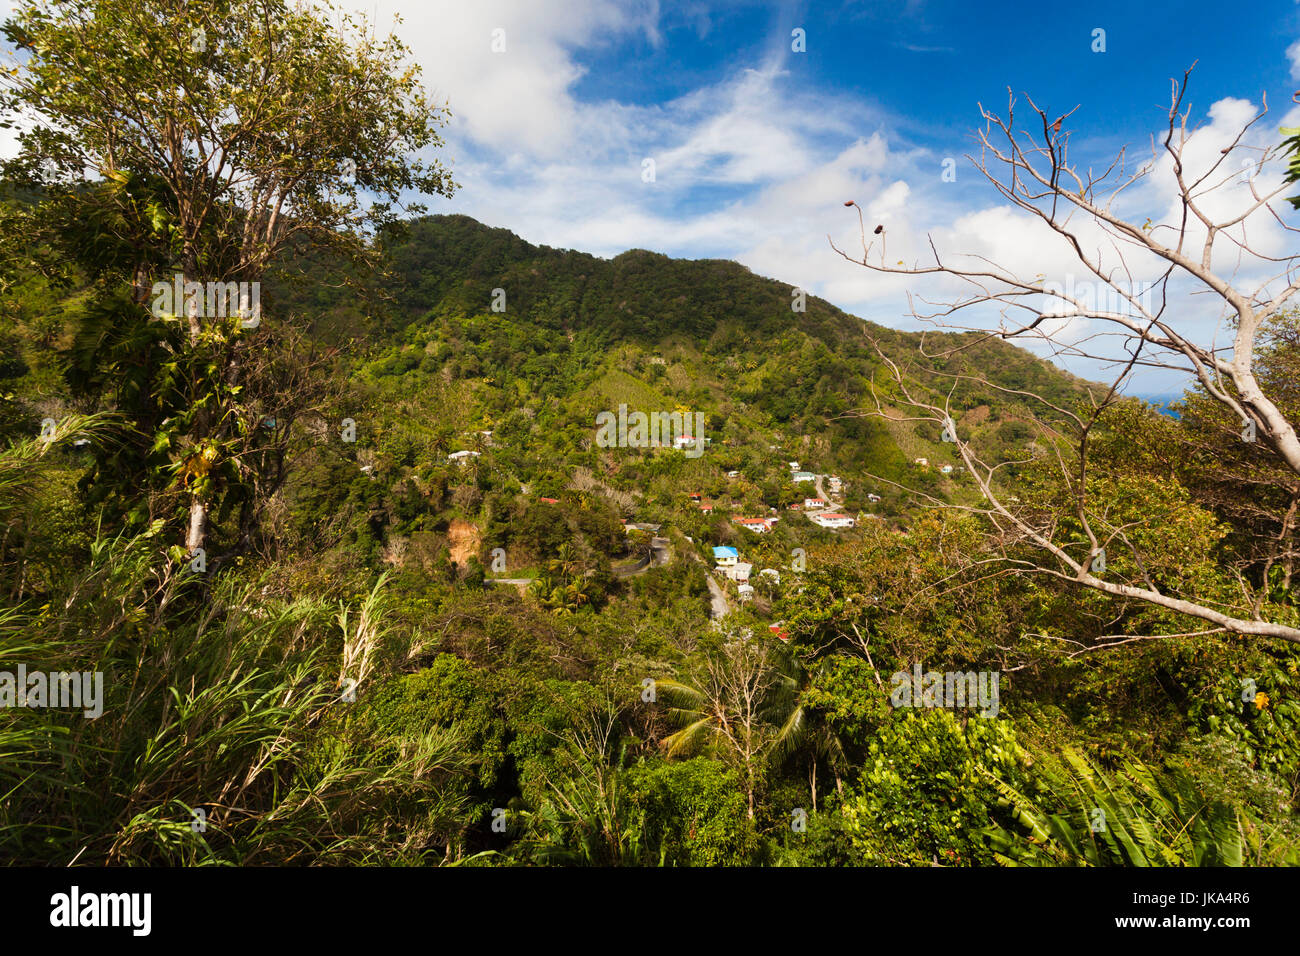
(198, 532)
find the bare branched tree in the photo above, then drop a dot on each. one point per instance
(725, 702)
(1143, 286)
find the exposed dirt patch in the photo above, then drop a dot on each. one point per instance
(465, 540)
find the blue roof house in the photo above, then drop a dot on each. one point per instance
(725, 557)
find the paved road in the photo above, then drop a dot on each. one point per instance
(821, 493)
(661, 553)
(717, 598)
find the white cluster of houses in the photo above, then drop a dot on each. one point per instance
(820, 513)
(797, 475)
(727, 563)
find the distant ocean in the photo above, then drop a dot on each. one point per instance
(1162, 402)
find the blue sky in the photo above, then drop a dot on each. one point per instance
(932, 62)
(756, 146)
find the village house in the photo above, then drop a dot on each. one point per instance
(756, 525)
(923, 462)
(799, 476)
(745, 591)
(815, 503)
(829, 520)
(725, 557)
(460, 457)
(739, 572)
(946, 469)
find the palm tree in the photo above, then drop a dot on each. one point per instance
(1136, 816)
(725, 702)
(804, 730)
(587, 818)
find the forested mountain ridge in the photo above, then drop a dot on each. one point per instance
(453, 264)
(706, 335)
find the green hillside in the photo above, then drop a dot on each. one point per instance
(581, 334)
(393, 454)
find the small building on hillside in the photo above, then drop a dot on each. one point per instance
(745, 591)
(725, 557)
(739, 572)
(799, 476)
(831, 520)
(923, 462)
(811, 503)
(460, 457)
(946, 469)
(756, 525)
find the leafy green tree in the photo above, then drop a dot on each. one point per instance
(205, 139)
(695, 813)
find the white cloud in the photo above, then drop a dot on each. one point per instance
(518, 100)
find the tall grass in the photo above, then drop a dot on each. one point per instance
(216, 699)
